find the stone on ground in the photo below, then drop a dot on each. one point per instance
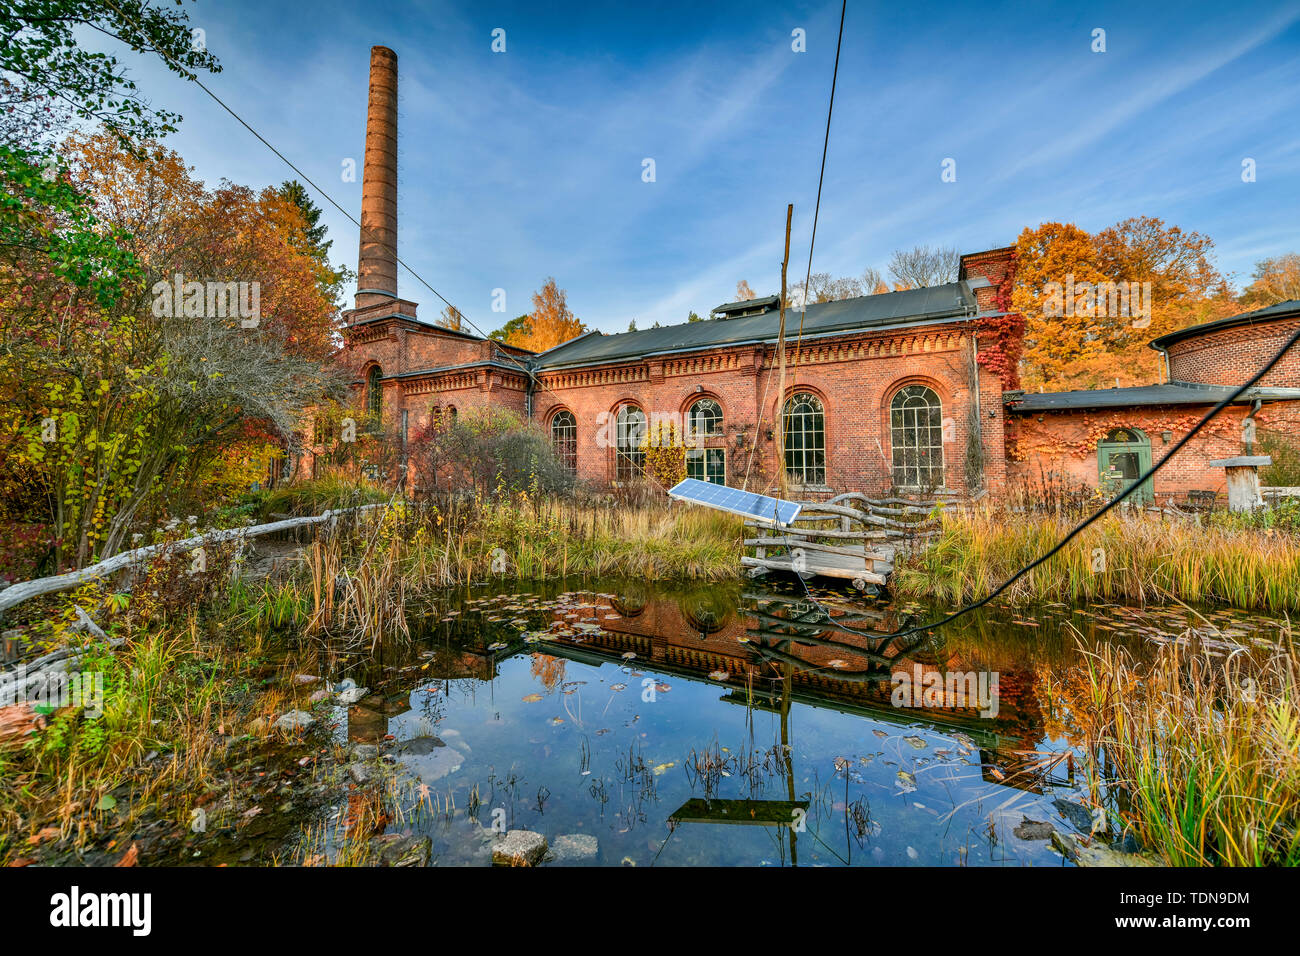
(294, 721)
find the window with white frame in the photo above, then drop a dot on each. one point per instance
(916, 437)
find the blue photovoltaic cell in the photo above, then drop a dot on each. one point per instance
(747, 503)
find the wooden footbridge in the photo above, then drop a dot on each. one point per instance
(851, 537)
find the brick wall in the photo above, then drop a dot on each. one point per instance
(994, 265)
(1065, 443)
(855, 376)
(1231, 356)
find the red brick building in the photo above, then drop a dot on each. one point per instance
(896, 391)
(883, 391)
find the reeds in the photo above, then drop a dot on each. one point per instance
(1198, 753)
(1132, 557)
(524, 537)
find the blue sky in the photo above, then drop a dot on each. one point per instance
(528, 164)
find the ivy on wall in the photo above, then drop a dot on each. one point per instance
(1002, 337)
(1050, 438)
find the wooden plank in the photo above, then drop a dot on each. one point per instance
(775, 564)
(762, 813)
(792, 542)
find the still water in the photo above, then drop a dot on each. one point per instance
(636, 724)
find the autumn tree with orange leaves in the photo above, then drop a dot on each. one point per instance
(1085, 342)
(120, 412)
(550, 323)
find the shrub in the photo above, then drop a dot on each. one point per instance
(491, 451)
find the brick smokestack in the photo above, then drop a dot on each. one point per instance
(377, 262)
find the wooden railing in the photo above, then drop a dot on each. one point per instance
(852, 537)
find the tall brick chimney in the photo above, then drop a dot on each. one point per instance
(377, 261)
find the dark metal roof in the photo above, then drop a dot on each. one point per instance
(1174, 393)
(746, 305)
(435, 327)
(1280, 310)
(886, 310)
(519, 369)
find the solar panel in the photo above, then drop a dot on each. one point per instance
(747, 503)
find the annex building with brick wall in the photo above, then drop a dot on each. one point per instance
(1082, 437)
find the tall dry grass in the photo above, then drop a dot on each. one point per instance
(1122, 557)
(535, 538)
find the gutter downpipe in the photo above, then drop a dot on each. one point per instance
(979, 405)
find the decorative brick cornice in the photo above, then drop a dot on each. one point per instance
(848, 349)
(584, 377)
(854, 350)
(461, 380)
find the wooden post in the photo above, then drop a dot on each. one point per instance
(780, 348)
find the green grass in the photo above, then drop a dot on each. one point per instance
(538, 539)
(319, 494)
(1199, 753)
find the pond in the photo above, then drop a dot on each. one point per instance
(638, 724)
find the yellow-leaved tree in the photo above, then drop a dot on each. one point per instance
(550, 323)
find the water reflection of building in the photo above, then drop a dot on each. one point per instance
(760, 638)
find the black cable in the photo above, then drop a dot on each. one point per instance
(803, 307)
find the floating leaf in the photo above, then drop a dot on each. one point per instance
(532, 698)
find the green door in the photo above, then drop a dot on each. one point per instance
(1122, 456)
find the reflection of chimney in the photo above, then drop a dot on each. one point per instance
(377, 262)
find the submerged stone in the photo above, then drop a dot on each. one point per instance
(1096, 855)
(575, 848)
(1033, 829)
(419, 746)
(520, 848)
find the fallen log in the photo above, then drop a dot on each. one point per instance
(17, 593)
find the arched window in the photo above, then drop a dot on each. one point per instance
(704, 419)
(564, 438)
(374, 392)
(805, 440)
(916, 436)
(629, 430)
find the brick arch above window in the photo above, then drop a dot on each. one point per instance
(709, 410)
(938, 386)
(792, 390)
